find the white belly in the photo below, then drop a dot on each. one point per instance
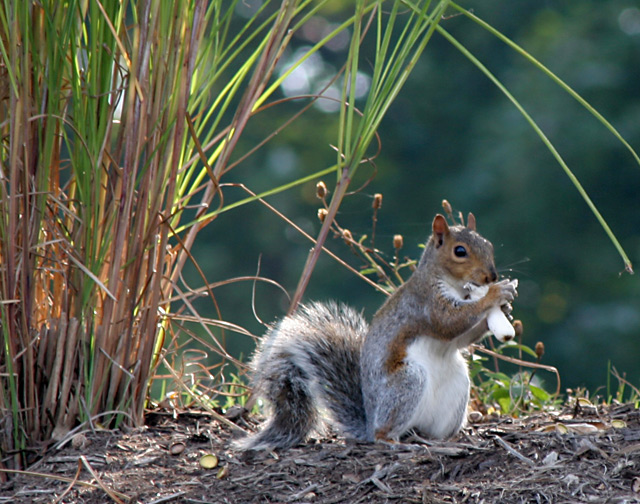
(442, 407)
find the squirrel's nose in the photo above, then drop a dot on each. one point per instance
(492, 276)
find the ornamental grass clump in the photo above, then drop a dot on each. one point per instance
(109, 140)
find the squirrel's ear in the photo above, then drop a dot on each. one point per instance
(471, 221)
(440, 228)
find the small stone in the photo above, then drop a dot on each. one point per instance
(80, 441)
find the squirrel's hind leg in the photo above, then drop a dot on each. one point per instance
(396, 405)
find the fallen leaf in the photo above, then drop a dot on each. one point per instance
(582, 428)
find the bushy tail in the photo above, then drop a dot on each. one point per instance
(309, 362)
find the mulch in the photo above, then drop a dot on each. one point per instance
(579, 454)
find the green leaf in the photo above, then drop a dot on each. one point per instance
(542, 395)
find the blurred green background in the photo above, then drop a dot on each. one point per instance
(452, 134)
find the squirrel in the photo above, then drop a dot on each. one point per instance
(404, 371)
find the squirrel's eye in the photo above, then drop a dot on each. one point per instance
(460, 251)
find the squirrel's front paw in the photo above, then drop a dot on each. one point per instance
(507, 309)
(508, 290)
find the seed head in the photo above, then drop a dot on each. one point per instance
(321, 190)
(517, 325)
(377, 201)
(322, 214)
(347, 237)
(398, 241)
(539, 349)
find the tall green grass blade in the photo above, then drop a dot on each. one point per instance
(265, 194)
(390, 72)
(574, 180)
(551, 75)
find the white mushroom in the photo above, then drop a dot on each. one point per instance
(497, 321)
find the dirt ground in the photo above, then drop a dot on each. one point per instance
(582, 454)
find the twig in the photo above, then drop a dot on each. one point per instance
(167, 498)
(108, 491)
(513, 451)
(379, 473)
(521, 362)
(62, 478)
(299, 495)
(202, 403)
(79, 429)
(71, 484)
(313, 240)
(622, 380)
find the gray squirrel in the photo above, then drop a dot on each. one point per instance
(404, 371)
